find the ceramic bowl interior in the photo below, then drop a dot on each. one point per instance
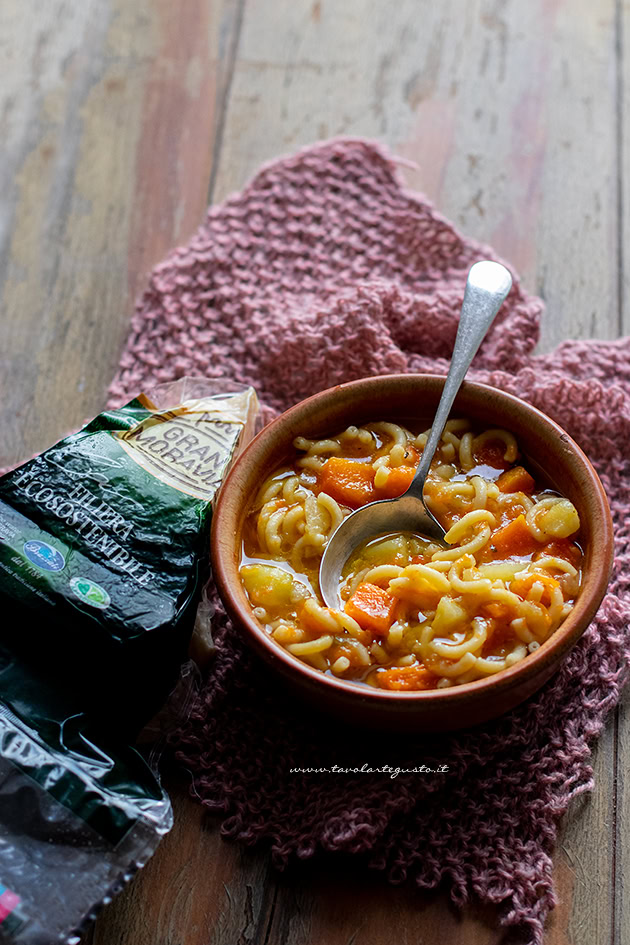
(549, 452)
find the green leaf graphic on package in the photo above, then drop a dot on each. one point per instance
(93, 594)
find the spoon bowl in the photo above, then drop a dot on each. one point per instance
(487, 286)
(403, 514)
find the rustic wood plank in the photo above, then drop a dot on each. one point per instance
(196, 890)
(621, 791)
(622, 86)
(108, 112)
(333, 902)
(584, 870)
(621, 801)
(530, 106)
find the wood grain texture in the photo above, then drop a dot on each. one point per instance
(621, 760)
(196, 890)
(309, 908)
(119, 117)
(108, 120)
(621, 823)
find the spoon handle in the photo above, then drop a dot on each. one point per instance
(487, 285)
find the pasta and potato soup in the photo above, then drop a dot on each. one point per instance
(415, 615)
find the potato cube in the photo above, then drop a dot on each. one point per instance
(449, 617)
(267, 586)
(560, 520)
(388, 551)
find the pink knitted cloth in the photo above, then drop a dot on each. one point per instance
(322, 270)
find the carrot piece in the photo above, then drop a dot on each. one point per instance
(372, 607)
(398, 481)
(408, 678)
(347, 481)
(514, 538)
(516, 479)
(399, 478)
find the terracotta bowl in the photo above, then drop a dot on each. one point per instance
(412, 398)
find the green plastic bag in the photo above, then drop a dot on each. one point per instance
(103, 556)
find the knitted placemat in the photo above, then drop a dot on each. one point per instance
(322, 270)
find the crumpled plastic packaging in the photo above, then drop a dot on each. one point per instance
(104, 542)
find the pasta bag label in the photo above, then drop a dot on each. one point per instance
(185, 447)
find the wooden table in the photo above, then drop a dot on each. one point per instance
(121, 119)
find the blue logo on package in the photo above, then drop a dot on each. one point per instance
(44, 556)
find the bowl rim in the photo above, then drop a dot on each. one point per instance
(225, 566)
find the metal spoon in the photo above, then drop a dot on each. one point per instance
(487, 285)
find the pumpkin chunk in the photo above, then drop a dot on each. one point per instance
(372, 607)
(406, 678)
(347, 481)
(516, 479)
(514, 538)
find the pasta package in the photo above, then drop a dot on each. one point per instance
(103, 556)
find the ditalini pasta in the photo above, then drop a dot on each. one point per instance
(415, 615)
